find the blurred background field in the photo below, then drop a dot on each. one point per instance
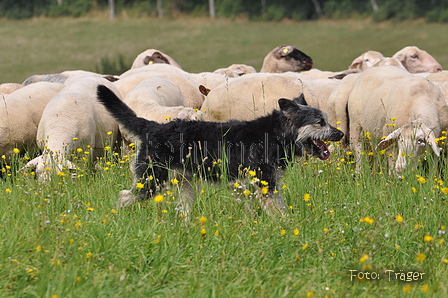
(45, 45)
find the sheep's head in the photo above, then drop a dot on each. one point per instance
(412, 139)
(366, 60)
(416, 60)
(286, 58)
(156, 57)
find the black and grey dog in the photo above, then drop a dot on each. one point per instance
(192, 147)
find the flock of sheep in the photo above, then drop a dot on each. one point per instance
(399, 99)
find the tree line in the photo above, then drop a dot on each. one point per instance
(270, 10)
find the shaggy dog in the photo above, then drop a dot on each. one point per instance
(192, 148)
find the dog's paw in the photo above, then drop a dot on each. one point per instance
(126, 198)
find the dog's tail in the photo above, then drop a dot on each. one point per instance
(120, 111)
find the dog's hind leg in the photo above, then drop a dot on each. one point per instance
(186, 200)
(187, 194)
(272, 203)
(126, 198)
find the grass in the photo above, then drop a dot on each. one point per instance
(67, 238)
(41, 46)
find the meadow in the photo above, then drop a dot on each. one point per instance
(345, 234)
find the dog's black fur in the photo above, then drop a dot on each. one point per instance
(264, 144)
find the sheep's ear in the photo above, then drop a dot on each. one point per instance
(286, 104)
(148, 60)
(300, 100)
(158, 57)
(431, 139)
(283, 51)
(401, 54)
(204, 90)
(356, 62)
(32, 163)
(392, 137)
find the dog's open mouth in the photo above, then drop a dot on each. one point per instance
(319, 149)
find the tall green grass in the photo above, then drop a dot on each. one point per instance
(41, 46)
(67, 238)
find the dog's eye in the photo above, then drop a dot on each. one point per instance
(321, 122)
(414, 56)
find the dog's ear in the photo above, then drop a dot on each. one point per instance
(300, 100)
(286, 104)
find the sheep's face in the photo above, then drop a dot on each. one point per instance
(412, 139)
(291, 59)
(417, 61)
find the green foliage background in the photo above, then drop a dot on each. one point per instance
(434, 10)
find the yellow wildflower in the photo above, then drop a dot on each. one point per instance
(368, 220)
(364, 258)
(16, 150)
(399, 218)
(407, 288)
(420, 257)
(264, 190)
(306, 197)
(421, 179)
(203, 220)
(428, 238)
(158, 198)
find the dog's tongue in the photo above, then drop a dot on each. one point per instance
(323, 153)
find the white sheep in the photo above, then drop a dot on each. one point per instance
(254, 95)
(235, 70)
(407, 109)
(366, 60)
(416, 60)
(438, 77)
(186, 82)
(20, 113)
(160, 100)
(391, 62)
(153, 56)
(73, 119)
(52, 78)
(76, 74)
(8, 88)
(286, 58)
